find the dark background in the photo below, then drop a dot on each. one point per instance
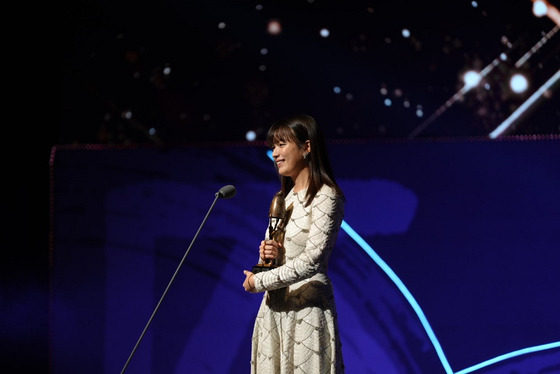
(220, 84)
(468, 226)
(113, 60)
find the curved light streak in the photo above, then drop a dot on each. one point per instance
(383, 265)
(506, 356)
(406, 293)
(421, 316)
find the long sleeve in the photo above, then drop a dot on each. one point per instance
(310, 237)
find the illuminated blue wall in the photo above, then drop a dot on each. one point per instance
(448, 258)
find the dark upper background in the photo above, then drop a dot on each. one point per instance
(224, 81)
(180, 72)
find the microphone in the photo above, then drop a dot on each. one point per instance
(226, 192)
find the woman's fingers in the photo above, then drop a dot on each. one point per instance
(268, 249)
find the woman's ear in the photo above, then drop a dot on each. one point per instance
(307, 146)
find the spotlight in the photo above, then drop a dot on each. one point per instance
(518, 83)
(539, 8)
(544, 8)
(471, 79)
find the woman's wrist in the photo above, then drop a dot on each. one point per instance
(251, 282)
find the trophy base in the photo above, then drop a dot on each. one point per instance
(262, 267)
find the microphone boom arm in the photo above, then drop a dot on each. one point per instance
(225, 192)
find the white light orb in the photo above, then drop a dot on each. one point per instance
(539, 8)
(518, 83)
(250, 135)
(471, 78)
(274, 27)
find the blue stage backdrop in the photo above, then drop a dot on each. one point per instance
(447, 261)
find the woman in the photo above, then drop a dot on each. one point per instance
(296, 329)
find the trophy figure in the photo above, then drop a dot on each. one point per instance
(278, 218)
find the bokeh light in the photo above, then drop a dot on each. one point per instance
(540, 8)
(274, 27)
(251, 135)
(257, 61)
(471, 78)
(518, 83)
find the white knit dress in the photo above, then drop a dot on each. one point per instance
(296, 329)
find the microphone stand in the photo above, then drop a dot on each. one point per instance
(219, 194)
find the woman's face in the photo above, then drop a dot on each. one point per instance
(288, 157)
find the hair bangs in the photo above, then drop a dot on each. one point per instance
(280, 133)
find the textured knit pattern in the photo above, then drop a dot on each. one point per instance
(296, 330)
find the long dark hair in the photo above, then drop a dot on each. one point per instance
(298, 129)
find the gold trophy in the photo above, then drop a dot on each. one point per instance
(278, 218)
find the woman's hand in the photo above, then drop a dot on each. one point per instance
(249, 283)
(269, 250)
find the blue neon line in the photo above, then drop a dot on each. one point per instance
(406, 293)
(510, 355)
(383, 265)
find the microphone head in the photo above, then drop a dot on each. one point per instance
(226, 192)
